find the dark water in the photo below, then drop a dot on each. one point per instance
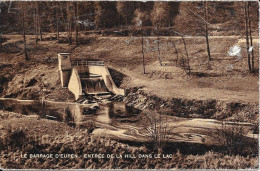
(110, 113)
(113, 112)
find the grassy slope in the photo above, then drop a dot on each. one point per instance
(124, 54)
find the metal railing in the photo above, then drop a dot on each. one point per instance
(84, 62)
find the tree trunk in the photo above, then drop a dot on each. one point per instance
(76, 23)
(143, 49)
(158, 46)
(247, 41)
(188, 58)
(1, 36)
(176, 54)
(39, 24)
(57, 23)
(69, 32)
(36, 23)
(69, 24)
(251, 39)
(206, 29)
(24, 37)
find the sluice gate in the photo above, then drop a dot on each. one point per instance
(86, 77)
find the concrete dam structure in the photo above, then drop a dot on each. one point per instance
(84, 77)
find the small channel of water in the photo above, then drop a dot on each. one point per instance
(111, 113)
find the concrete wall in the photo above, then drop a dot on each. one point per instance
(65, 77)
(64, 61)
(64, 68)
(75, 84)
(103, 71)
(82, 68)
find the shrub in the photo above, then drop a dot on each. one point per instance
(157, 130)
(14, 138)
(68, 116)
(233, 138)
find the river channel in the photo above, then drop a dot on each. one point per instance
(118, 121)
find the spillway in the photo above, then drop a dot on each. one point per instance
(93, 85)
(86, 77)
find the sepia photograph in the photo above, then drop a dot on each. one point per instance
(129, 85)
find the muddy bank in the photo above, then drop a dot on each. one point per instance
(191, 108)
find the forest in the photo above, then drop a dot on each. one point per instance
(126, 16)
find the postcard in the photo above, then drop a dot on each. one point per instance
(129, 85)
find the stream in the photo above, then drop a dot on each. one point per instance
(116, 120)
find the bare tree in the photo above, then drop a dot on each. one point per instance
(24, 36)
(187, 55)
(36, 23)
(139, 19)
(206, 29)
(57, 20)
(1, 22)
(158, 46)
(247, 39)
(76, 23)
(69, 21)
(176, 51)
(157, 129)
(1, 44)
(1, 36)
(39, 21)
(250, 34)
(195, 17)
(143, 48)
(160, 18)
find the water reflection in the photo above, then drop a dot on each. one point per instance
(112, 113)
(103, 116)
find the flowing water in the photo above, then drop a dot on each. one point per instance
(119, 121)
(93, 85)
